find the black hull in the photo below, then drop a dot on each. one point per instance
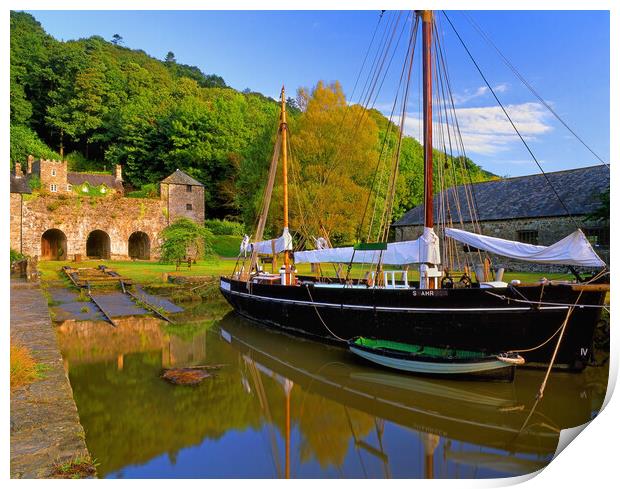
(470, 319)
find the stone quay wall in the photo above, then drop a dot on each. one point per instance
(550, 230)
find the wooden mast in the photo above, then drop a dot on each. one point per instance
(427, 90)
(283, 133)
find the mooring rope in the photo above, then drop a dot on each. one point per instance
(321, 319)
(541, 389)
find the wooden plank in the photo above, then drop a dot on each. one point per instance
(590, 287)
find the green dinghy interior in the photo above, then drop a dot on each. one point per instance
(425, 351)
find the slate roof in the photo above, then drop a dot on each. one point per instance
(181, 178)
(523, 197)
(94, 179)
(19, 185)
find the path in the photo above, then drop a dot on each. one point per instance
(45, 427)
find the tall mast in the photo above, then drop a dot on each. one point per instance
(283, 131)
(427, 63)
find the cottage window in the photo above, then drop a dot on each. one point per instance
(188, 188)
(53, 172)
(188, 207)
(103, 190)
(528, 236)
(69, 187)
(597, 236)
(53, 187)
(85, 188)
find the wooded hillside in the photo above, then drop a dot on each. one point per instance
(101, 103)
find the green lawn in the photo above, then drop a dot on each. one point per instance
(227, 246)
(146, 272)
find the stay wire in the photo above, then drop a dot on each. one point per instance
(530, 87)
(510, 120)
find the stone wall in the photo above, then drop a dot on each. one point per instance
(16, 222)
(78, 216)
(550, 230)
(177, 198)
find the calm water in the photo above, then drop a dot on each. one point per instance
(281, 406)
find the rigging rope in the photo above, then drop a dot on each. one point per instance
(510, 119)
(529, 86)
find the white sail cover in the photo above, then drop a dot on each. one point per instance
(425, 249)
(278, 245)
(575, 249)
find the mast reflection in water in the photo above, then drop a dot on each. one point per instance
(286, 407)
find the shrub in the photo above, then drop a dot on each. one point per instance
(16, 256)
(34, 182)
(23, 367)
(224, 227)
(185, 238)
(148, 191)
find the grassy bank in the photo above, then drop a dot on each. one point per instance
(147, 273)
(24, 369)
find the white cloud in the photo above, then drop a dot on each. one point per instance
(468, 95)
(487, 131)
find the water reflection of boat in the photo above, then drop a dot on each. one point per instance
(486, 415)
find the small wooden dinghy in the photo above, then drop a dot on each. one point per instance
(436, 361)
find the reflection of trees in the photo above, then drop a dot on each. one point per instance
(132, 416)
(326, 428)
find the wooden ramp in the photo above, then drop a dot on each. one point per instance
(101, 277)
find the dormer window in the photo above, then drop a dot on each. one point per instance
(103, 190)
(188, 188)
(85, 188)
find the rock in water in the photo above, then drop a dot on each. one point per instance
(185, 376)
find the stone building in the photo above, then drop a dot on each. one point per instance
(522, 209)
(74, 214)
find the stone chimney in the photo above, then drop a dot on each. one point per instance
(119, 173)
(18, 169)
(30, 162)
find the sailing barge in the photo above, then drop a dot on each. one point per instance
(442, 309)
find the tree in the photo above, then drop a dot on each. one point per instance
(117, 39)
(170, 59)
(602, 212)
(185, 239)
(335, 148)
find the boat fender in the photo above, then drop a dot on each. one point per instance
(511, 359)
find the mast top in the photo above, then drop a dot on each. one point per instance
(427, 15)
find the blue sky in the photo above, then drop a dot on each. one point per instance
(563, 54)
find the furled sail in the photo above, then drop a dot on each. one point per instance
(575, 249)
(425, 249)
(269, 246)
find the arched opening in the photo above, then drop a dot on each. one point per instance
(139, 246)
(53, 245)
(98, 245)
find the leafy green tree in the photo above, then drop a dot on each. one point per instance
(185, 239)
(24, 142)
(117, 39)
